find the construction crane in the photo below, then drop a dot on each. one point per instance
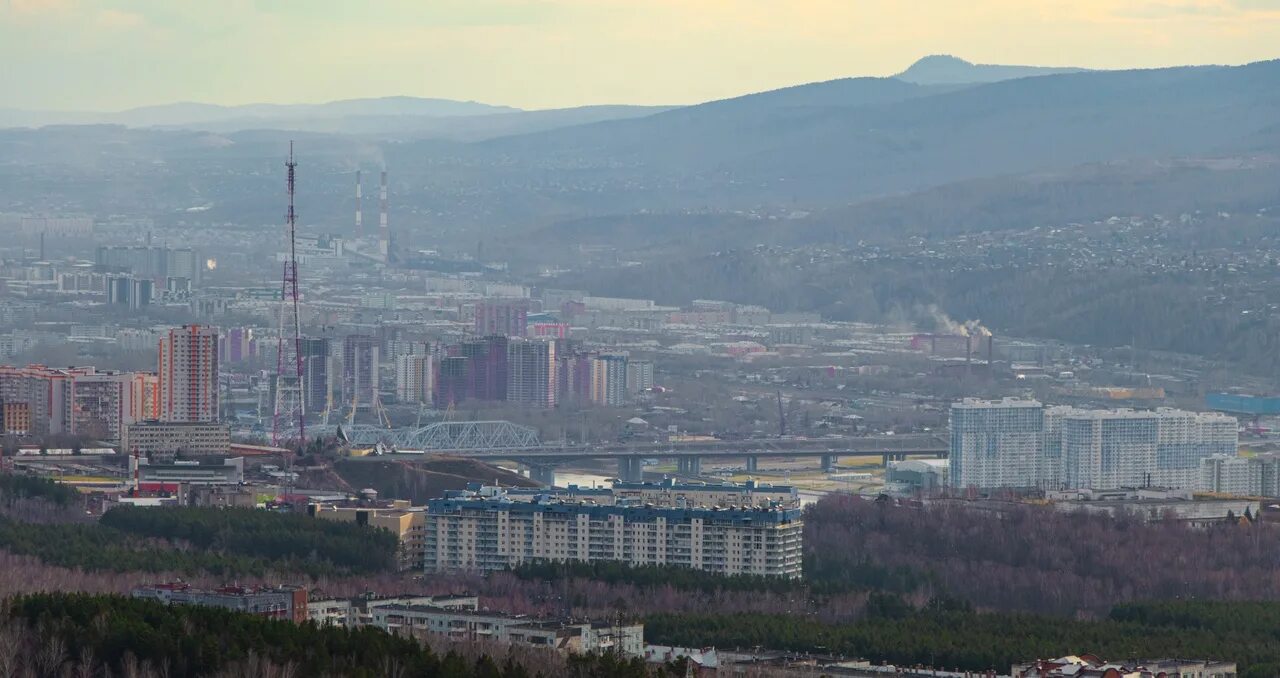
(782, 417)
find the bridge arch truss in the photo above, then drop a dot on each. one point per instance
(449, 435)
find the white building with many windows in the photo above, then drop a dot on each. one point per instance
(1021, 443)
(495, 533)
(996, 443)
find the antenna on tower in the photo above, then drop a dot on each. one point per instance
(289, 409)
(359, 212)
(384, 233)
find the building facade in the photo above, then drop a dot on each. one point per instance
(188, 372)
(1021, 443)
(415, 379)
(360, 362)
(996, 443)
(193, 438)
(494, 533)
(531, 372)
(285, 602)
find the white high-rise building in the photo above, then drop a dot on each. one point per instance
(189, 374)
(1257, 476)
(1020, 443)
(414, 378)
(996, 443)
(1107, 449)
(639, 375)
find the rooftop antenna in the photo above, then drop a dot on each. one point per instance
(384, 233)
(359, 211)
(289, 408)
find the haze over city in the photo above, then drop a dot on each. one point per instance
(83, 55)
(591, 338)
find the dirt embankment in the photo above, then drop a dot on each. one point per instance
(419, 481)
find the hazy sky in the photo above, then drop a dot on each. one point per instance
(87, 54)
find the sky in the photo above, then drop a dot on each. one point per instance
(111, 55)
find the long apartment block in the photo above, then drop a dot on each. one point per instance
(494, 533)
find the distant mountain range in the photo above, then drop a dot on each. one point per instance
(944, 69)
(415, 117)
(819, 148)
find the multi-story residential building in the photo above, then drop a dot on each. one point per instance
(238, 345)
(1257, 476)
(75, 400)
(1020, 443)
(152, 262)
(609, 379)
(1107, 449)
(405, 522)
(317, 376)
(284, 602)
(639, 376)
(486, 367)
(415, 378)
(531, 372)
(360, 361)
(189, 374)
(996, 443)
(194, 438)
(453, 381)
(494, 533)
(504, 318)
(667, 493)
(671, 492)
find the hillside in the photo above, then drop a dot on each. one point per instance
(422, 480)
(944, 69)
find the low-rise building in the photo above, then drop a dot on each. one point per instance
(399, 517)
(208, 471)
(1090, 666)
(357, 611)
(283, 602)
(188, 438)
(563, 635)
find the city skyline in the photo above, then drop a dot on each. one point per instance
(75, 55)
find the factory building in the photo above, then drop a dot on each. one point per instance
(188, 438)
(487, 534)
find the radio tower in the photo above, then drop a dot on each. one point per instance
(289, 409)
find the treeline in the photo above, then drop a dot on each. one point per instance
(96, 548)
(223, 542)
(65, 634)
(274, 537)
(14, 487)
(943, 636)
(1035, 558)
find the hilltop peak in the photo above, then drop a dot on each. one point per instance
(945, 69)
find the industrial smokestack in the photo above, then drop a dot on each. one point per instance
(991, 350)
(384, 234)
(359, 211)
